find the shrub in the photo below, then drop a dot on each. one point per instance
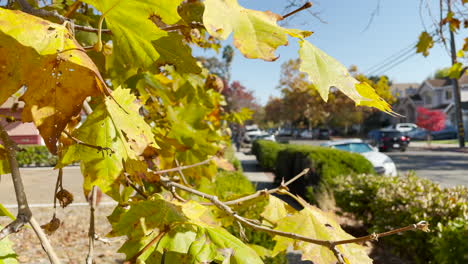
(35, 156)
(266, 153)
(324, 163)
(229, 155)
(386, 203)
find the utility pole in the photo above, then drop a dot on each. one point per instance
(456, 88)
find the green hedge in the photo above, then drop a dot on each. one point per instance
(35, 156)
(266, 153)
(385, 203)
(325, 163)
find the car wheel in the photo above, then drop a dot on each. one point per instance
(403, 149)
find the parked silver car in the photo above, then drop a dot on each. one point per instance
(382, 163)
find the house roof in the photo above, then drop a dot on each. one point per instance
(463, 80)
(439, 82)
(404, 88)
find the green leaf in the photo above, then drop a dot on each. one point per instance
(173, 51)
(425, 43)
(256, 33)
(136, 36)
(314, 223)
(5, 212)
(455, 71)
(203, 244)
(46, 59)
(326, 72)
(157, 212)
(124, 132)
(4, 163)
(7, 254)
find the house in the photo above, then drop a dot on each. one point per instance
(21, 133)
(431, 94)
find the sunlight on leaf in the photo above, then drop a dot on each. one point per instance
(326, 72)
(45, 58)
(314, 223)
(256, 33)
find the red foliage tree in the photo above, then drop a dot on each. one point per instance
(432, 120)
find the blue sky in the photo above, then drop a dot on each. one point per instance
(396, 26)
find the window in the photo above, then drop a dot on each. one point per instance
(448, 94)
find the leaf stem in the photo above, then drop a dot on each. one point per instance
(305, 6)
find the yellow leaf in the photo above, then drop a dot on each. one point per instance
(57, 74)
(314, 223)
(425, 43)
(256, 33)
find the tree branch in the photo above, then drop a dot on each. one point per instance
(283, 186)
(24, 213)
(253, 224)
(92, 231)
(183, 167)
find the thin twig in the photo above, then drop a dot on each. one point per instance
(92, 231)
(143, 250)
(24, 213)
(73, 9)
(422, 225)
(338, 255)
(184, 167)
(46, 246)
(138, 190)
(77, 141)
(305, 6)
(265, 192)
(326, 243)
(181, 173)
(58, 183)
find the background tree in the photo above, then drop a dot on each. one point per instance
(431, 120)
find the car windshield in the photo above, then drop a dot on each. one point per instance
(354, 147)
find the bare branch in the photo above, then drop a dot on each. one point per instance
(24, 213)
(253, 224)
(283, 186)
(184, 180)
(92, 232)
(338, 255)
(374, 13)
(183, 167)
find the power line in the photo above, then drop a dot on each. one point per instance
(396, 63)
(393, 60)
(391, 57)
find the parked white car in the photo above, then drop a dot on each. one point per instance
(251, 132)
(404, 127)
(382, 163)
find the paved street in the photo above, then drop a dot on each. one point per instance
(39, 184)
(448, 168)
(443, 164)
